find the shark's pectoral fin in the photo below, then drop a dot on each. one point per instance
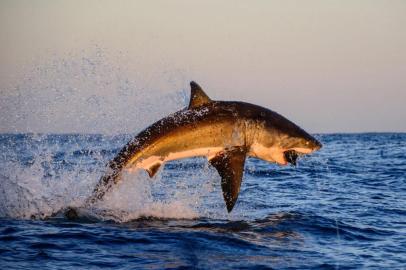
(153, 169)
(230, 166)
(197, 96)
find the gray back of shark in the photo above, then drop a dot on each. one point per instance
(225, 132)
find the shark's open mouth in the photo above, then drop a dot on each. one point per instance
(291, 156)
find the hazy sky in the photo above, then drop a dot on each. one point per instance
(115, 66)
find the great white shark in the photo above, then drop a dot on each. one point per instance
(226, 132)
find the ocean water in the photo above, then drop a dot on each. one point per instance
(343, 207)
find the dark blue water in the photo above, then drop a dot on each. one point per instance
(342, 208)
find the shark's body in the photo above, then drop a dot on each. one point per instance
(225, 132)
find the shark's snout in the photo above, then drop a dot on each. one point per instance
(310, 144)
(316, 145)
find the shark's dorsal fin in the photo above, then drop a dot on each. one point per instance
(197, 96)
(230, 166)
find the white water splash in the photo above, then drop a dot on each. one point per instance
(27, 192)
(55, 175)
(133, 198)
(85, 93)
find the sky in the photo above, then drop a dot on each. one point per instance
(116, 66)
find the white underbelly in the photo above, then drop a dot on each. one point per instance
(151, 161)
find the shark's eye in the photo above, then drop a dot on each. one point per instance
(291, 156)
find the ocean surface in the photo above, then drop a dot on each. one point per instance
(343, 207)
